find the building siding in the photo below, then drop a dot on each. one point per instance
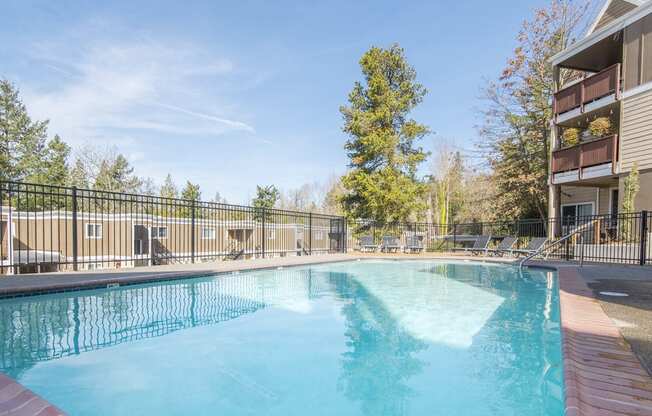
(615, 9)
(636, 132)
(637, 51)
(578, 194)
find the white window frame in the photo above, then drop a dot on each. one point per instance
(156, 232)
(96, 226)
(212, 235)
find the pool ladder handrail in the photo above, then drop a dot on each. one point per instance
(577, 231)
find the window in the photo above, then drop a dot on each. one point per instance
(573, 214)
(159, 232)
(93, 231)
(208, 233)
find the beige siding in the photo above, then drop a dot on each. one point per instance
(638, 53)
(603, 201)
(615, 9)
(636, 132)
(578, 194)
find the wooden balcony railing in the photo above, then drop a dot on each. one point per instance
(587, 154)
(602, 84)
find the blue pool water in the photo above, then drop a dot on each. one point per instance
(357, 338)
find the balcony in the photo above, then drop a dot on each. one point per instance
(587, 95)
(588, 160)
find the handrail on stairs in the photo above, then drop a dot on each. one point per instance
(577, 231)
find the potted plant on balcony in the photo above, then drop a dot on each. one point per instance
(571, 136)
(600, 127)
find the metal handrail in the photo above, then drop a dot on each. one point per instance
(545, 247)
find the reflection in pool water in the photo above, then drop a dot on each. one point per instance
(361, 338)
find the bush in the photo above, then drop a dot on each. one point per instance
(600, 127)
(571, 136)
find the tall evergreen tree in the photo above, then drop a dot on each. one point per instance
(22, 140)
(191, 191)
(266, 196)
(169, 189)
(116, 175)
(56, 162)
(382, 183)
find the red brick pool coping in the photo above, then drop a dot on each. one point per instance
(16, 400)
(602, 376)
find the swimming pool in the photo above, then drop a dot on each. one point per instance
(370, 337)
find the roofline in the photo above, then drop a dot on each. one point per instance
(616, 26)
(603, 10)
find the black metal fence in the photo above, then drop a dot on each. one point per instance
(55, 228)
(623, 238)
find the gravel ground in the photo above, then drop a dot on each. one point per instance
(632, 314)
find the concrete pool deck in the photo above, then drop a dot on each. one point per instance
(601, 373)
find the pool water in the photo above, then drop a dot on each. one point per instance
(355, 338)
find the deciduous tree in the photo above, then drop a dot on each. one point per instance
(516, 129)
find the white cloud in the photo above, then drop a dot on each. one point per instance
(104, 92)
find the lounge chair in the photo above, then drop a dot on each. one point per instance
(390, 244)
(367, 244)
(504, 247)
(413, 244)
(535, 245)
(481, 245)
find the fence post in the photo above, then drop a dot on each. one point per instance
(192, 231)
(643, 252)
(74, 229)
(263, 221)
(454, 235)
(310, 232)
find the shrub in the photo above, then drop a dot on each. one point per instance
(600, 127)
(571, 136)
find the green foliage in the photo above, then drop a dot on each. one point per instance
(266, 197)
(571, 136)
(516, 128)
(382, 183)
(191, 192)
(117, 175)
(600, 127)
(631, 187)
(23, 148)
(169, 189)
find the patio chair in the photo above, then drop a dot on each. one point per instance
(413, 244)
(481, 245)
(390, 244)
(504, 247)
(367, 244)
(535, 245)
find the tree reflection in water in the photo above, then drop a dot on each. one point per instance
(380, 358)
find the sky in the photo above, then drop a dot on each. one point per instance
(234, 94)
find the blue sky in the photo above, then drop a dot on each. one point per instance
(234, 94)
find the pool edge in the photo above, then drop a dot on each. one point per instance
(602, 376)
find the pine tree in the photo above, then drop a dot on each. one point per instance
(169, 189)
(382, 184)
(22, 141)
